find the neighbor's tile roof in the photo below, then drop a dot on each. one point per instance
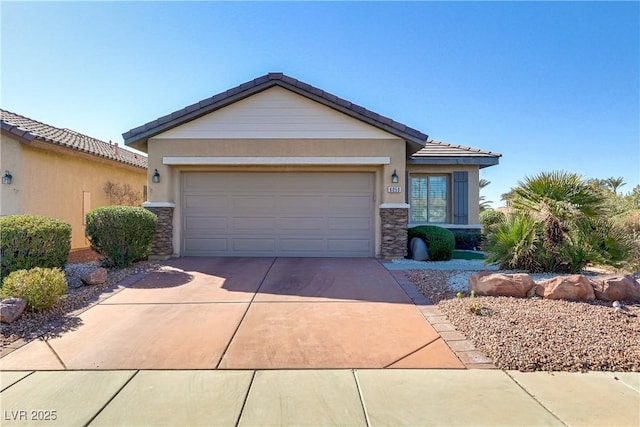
(29, 129)
(438, 152)
(148, 130)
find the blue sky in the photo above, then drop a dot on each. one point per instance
(550, 85)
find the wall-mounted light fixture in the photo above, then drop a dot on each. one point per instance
(7, 178)
(156, 177)
(394, 177)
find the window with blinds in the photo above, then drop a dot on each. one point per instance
(429, 199)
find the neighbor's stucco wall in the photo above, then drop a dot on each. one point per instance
(474, 188)
(11, 161)
(63, 184)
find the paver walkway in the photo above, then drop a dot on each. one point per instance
(382, 397)
(249, 313)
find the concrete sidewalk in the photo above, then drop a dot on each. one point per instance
(319, 398)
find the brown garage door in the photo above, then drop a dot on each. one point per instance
(277, 214)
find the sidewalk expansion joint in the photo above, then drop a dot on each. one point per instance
(534, 398)
(126, 383)
(246, 397)
(361, 397)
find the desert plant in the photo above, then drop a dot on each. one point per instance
(560, 200)
(513, 243)
(123, 234)
(28, 241)
(489, 218)
(440, 241)
(39, 287)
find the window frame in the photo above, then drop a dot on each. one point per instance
(448, 192)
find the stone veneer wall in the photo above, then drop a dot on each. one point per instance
(394, 232)
(162, 245)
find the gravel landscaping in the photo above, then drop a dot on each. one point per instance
(537, 334)
(79, 297)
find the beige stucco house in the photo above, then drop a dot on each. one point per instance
(276, 167)
(60, 173)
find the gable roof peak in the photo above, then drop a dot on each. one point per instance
(139, 135)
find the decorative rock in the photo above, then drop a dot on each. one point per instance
(11, 309)
(500, 284)
(96, 277)
(616, 288)
(419, 250)
(575, 287)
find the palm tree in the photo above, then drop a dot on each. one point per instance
(613, 183)
(561, 201)
(484, 204)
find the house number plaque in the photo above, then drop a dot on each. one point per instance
(394, 189)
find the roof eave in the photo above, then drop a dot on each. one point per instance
(483, 161)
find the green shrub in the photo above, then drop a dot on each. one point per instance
(514, 244)
(123, 234)
(489, 218)
(468, 240)
(39, 287)
(440, 241)
(28, 241)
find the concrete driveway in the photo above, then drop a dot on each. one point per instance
(248, 313)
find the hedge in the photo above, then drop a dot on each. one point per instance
(123, 234)
(28, 241)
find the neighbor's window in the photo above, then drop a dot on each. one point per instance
(429, 199)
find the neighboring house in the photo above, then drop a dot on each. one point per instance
(60, 173)
(276, 167)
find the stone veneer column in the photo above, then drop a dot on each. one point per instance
(394, 222)
(162, 246)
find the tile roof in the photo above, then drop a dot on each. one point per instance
(148, 130)
(438, 152)
(28, 129)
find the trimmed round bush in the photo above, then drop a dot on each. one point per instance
(122, 234)
(28, 241)
(39, 287)
(440, 241)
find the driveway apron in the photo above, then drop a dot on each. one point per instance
(248, 313)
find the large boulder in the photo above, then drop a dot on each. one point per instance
(11, 309)
(616, 288)
(501, 284)
(575, 287)
(419, 250)
(95, 277)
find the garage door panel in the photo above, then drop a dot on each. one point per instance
(205, 201)
(196, 225)
(253, 245)
(203, 246)
(302, 245)
(293, 224)
(354, 224)
(278, 214)
(295, 203)
(338, 246)
(252, 223)
(249, 203)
